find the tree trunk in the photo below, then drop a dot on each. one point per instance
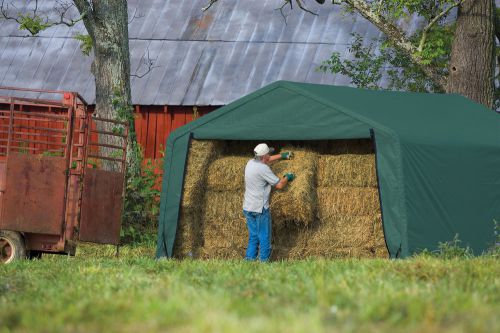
(472, 66)
(107, 24)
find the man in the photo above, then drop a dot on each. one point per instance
(258, 182)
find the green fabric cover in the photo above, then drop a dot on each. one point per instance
(438, 156)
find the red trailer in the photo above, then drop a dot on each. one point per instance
(60, 180)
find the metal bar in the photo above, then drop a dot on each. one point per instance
(35, 119)
(40, 142)
(105, 158)
(53, 136)
(33, 102)
(32, 148)
(43, 115)
(108, 133)
(42, 128)
(11, 122)
(105, 145)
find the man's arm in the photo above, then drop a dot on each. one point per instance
(287, 177)
(283, 156)
(274, 158)
(282, 183)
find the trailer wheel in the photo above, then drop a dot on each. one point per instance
(11, 246)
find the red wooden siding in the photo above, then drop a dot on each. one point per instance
(154, 123)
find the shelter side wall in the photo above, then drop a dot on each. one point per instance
(451, 190)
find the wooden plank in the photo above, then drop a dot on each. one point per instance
(188, 111)
(169, 120)
(144, 129)
(149, 150)
(137, 122)
(179, 118)
(160, 134)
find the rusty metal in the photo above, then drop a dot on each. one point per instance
(101, 206)
(34, 198)
(56, 200)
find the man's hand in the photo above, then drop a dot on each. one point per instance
(289, 176)
(286, 155)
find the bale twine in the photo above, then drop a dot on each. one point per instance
(297, 201)
(347, 170)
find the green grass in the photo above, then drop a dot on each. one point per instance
(96, 292)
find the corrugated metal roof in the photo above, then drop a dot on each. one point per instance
(209, 58)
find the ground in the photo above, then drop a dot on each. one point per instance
(95, 291)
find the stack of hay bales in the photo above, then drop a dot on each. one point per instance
(224, 225)
(349, 222)
(330, 210)
(189, 236)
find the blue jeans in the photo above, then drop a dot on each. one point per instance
(259, 231)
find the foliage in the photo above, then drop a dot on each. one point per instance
(369, 64)
(365, 70)
(396, 9)
(86, 43)
(494, 250)
(141, 205)
(34, 24)
(95, 291)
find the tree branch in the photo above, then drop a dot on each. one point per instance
(434, 21)
(207, 7)
(398, 39)
(84, 7)
(149, 64)
(299, 3)
(34, 23)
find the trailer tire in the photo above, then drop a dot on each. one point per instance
(12, 246)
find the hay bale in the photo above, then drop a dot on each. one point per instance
(342, 232)
(227, 173)
(347, 201)
(297, 201)
(339, 253)
(201, 154)
(188, 238)
(379, 245)
(224, 223)
(347, 170)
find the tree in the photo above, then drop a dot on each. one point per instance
(106, 22)
(472, 63)
(424, 57)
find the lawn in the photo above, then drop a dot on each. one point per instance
(96, 292)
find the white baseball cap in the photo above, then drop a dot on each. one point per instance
(262, 149)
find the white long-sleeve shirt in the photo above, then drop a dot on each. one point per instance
(258, 181)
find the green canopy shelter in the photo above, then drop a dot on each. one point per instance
(438, 156)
